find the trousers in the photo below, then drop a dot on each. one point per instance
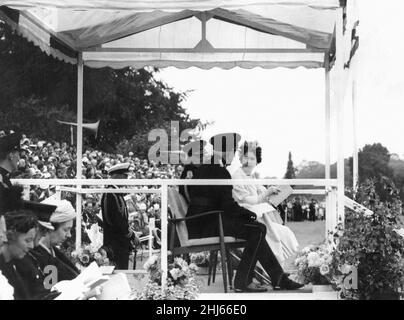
(256, 249)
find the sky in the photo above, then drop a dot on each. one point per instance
(284, 108)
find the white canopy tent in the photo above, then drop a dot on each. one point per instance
(204, 34)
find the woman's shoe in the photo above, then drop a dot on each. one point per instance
(252, 287)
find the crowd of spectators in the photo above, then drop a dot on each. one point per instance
(55, 160)
(41, 159)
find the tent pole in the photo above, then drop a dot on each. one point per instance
(79, 151)
(339, 68)
(71, 135)
(355, 136)
(164, 235)
(328, 199)
(327, 119)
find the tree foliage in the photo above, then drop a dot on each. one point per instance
(290, 169)
(374, 162)
(128, 102)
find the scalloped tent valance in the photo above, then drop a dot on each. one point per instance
(205, 34)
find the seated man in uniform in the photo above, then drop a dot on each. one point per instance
(237, 221)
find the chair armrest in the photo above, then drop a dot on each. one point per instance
(196, 216)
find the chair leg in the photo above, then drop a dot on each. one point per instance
(214, 266)
(229, 268)
(224, 269)
(210, 267)
(223, 253)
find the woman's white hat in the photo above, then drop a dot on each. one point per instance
(64, 210)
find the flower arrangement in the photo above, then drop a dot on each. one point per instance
(181, 283)
(201, 259)
(315, 265)
(87, 254)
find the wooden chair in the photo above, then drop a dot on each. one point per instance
(179, 207)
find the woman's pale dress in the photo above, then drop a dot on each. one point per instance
(280, 238)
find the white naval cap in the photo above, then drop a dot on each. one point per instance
(119, 168)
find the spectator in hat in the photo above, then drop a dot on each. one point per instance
(47, 252)
(237, 221)
(117, 233)
(9, 157)
(28, 267)
(21, 229)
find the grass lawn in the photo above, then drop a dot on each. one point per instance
(307, 233)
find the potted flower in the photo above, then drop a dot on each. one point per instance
(201, 260)
(315, 265)
(371, 243)
(181, 282)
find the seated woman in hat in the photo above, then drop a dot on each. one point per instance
(280, 238)
(47, 252)
(21, 229)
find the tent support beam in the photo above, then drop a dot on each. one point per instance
(80, 71)
(339, 68)
(327, 119)
(164, 236)
(355, 136)
(214, 50)
(328, 199)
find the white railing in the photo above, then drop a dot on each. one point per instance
(163, 184)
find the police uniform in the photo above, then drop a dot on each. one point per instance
(117, 233)
(237, 221)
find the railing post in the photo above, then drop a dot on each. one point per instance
(26, 192)
(79, 197)
(58, 193)
(331, 217)
(151, 229)
(164, 234)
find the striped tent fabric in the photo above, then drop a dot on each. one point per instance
(183, 34)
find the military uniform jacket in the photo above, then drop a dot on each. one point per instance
(188, 173)
(65, 268)
(115, 220)
(210, 198)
